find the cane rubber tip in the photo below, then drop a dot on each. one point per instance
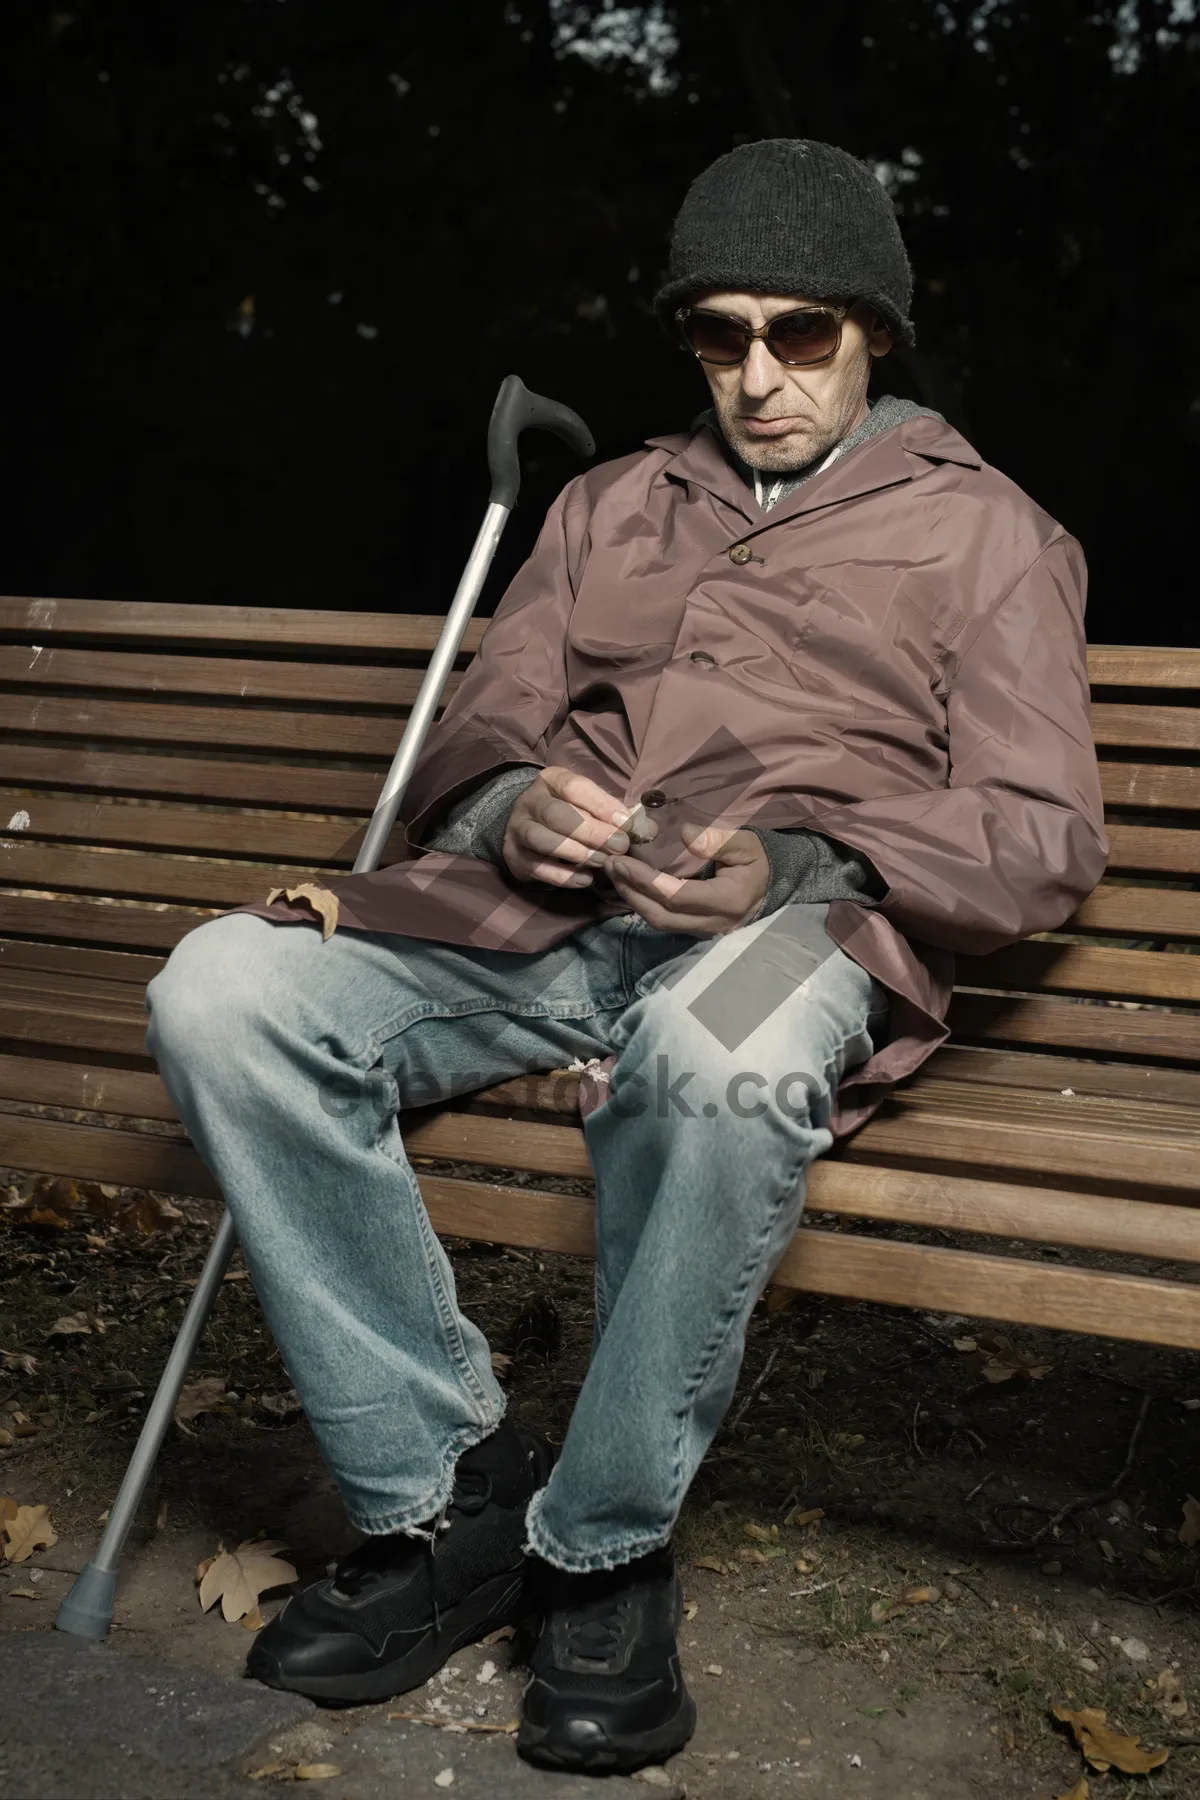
(88, 1609)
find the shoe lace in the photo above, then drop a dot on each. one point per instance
(595, 1629)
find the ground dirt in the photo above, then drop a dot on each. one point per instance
(814, 1675)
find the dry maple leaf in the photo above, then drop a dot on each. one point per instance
(27, 1530)
(237, 1577)
(205, 1395)
(323, 903)
(1189, 1531)
(1106, 1748)
(19, 1359)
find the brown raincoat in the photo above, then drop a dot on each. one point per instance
(892, 656)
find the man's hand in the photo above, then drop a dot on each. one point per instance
(718, 903)
(561, 827)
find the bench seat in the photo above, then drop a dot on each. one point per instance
(159, 763)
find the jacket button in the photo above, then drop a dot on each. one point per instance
(654, 797)
(704, 659)
(740, 553)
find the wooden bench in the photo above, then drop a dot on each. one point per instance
(158, 763)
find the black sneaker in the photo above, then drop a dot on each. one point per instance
(606, 1693)
(399, 1607)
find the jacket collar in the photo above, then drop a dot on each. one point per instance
(883, 461)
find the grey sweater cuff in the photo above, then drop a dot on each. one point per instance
(477, 824)
(808, 867)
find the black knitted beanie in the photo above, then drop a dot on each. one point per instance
(790, 216)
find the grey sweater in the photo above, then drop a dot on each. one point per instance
(804, 866)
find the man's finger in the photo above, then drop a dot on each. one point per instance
(676, 895)
(544, 840)
(586, 794)
(568, 822)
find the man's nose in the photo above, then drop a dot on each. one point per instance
(761, 372)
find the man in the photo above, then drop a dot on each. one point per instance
(781, 713)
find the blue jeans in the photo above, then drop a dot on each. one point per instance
(287, 1058)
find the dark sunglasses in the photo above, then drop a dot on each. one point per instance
(811, 334)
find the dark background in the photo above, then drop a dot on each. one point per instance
(266, 261)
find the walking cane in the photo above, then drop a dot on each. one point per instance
(88, 1608)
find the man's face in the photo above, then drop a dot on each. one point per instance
(777, 417)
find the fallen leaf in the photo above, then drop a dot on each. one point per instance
(71, 1324)
(1168, 1695)
(316, 1771)
(884, 1610)
(323, 903)
(269, 1770)
(1002, 1360)
(1080, 1791)
(22, 1594)
(253, 1621)
(1106, 1550)
(750, 1553)
(920, 1596)
(1105, 1748)
(714, 1669)
(1156, 1557)
(499, 1636)
(501, 1364)
(1189, 1531)
(444, 1778)
(6, 1438)
(27, 1530)
(711, 1562)
(803, 1568)
(762, 1534)
(805, 1515)
(19, 1359)
(848, 1440)
(204, 1396)
(654, 1777)
(237, 1577)
(965, 1344)
(150, 1213)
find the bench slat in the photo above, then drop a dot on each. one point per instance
(123, 926)
(259, 627)
(131, 876)
(1126, 910)
(921, 1132)
(1054, 968)
(1146, 727)
(1073, 1025)
(311, 683)
(1142, 666)
(1145, 786)
(69, 959)
(312, 843)
(1006, 1069)
(237, 727)
(1153, 849)
(246, 783)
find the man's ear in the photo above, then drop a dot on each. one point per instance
(879, 337)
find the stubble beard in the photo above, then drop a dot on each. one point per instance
(794, 451)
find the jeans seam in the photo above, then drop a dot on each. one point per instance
(720, 1335)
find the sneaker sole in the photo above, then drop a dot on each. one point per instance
(538, 1744)
(497, 1602)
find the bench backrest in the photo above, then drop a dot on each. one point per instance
(158, 763)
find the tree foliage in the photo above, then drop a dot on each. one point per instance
(268, 260)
